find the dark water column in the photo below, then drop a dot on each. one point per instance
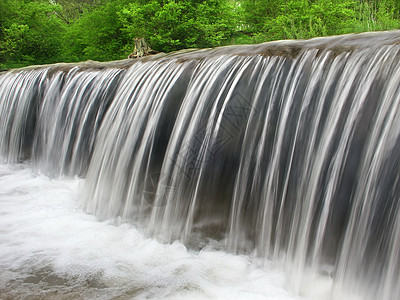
(20, 98)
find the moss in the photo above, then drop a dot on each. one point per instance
(290, 51)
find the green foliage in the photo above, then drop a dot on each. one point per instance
(372, 16)
(300, 19)
(97, 35)
(173, 25)
(254, 13)
(45, 31)
(72, 10)
(30, 32)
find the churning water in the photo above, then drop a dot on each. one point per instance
(50, 249)
(277, 165)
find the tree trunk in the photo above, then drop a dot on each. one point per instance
(141, 49)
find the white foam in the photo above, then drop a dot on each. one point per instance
(50, 248)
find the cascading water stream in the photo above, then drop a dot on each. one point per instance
(286, 150)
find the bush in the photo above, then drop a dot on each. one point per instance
(97, 35)
(30, 32)
(173, 25)
(302, 19)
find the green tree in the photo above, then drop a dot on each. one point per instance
(254, 13)
(30, 32)
(73, 9)
(172, 25)
(300, 19)
(376, 15)
(97, 34)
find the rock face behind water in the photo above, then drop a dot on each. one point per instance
(288, 149)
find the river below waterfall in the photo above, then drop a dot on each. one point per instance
(51, 249)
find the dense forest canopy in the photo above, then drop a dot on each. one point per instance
(47, 31)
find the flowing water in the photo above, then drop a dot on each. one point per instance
(266, 171)
(50, 249)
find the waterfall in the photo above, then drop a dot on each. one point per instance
(287, 150)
